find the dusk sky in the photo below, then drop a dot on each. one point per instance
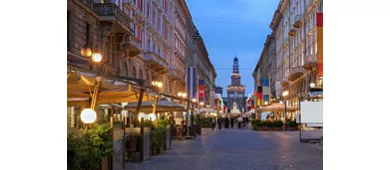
(230, 27)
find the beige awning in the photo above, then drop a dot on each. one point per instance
(163, 105)
(80, 85)
(276, 107)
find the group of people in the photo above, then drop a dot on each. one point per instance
(241, 121)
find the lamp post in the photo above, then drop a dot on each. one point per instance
(285, 93)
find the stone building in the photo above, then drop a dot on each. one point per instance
(219, 90)
(298, 28)
(266, 68)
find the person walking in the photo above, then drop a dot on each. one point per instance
(213, 123)
(239, 119)
(232, 122)
(219, 123)
(226, 122)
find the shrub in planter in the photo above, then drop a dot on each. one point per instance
(256, 124)
(206, 121)
(292, 124)
(87, 149)
(277, 125)
(158, 135)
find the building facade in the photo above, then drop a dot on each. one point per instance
(235, 91)
(298, 28)
(265, 71)
(219, 90)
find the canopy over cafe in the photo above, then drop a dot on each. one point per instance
(119, 101)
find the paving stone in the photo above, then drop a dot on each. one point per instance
(231, 149)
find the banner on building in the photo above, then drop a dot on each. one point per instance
(191, 83)
(201, 90)
(266, 90)
(319, 19)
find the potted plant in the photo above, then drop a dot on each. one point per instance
(266, 125)
(292, 125)
(256, 124)
(277, 125)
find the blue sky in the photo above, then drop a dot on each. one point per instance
(230, 27)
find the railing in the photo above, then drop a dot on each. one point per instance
(136, 42)
(298, 21)
(111, 9)
(152, 56)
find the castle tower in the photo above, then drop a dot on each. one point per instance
(235, 90)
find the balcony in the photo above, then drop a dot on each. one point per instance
(109, 12)
(310, 62)
(156, 61)
(175, 73)
(298, 21)
(284, 81)
(292, 32)
(133, 46)
(295, 73)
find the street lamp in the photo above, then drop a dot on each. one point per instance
(86, 52)
(312, 85)
(201, 103)
(194, 100)
(88, 116)
(97, 57)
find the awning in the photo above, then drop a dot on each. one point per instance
(276, 107)
(163, 105)
(80, 86)
(207, 110)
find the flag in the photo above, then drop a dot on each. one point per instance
(319, 20)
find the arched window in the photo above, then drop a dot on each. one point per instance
(125, 69)
(141, 73)
(133, 72)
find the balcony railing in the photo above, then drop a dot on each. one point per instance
(292, 32)
(310, 61)
(295, 73)
(110, 12)
(155, 60)
(175, 74)
(298, 21)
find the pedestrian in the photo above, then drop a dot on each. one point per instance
(213, 123)
(219, 121)
(232, 122)
(226, 122)
(239, 119)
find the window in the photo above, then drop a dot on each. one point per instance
(141, 5)
(87, 39)
(71, 118)
(68, 30)
(153, 17)
(147, 10)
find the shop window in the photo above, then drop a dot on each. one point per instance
(71, 118)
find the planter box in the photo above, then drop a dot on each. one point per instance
(168, 138)
(292, 128)
(277, 128)
(256, 128)
(265, 128)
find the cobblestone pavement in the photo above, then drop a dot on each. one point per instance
(233, 149)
